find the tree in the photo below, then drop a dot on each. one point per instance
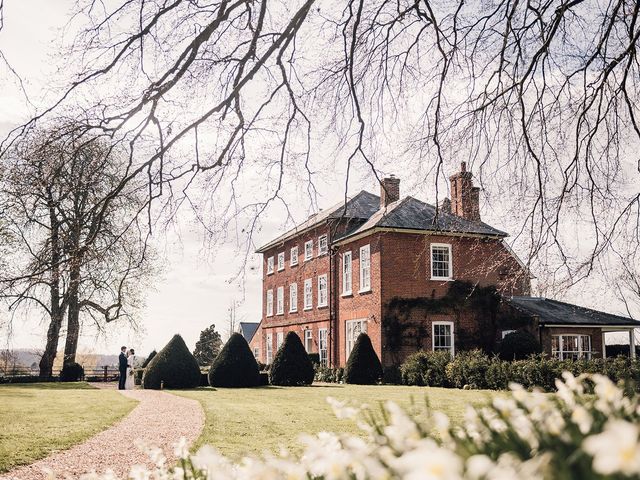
(363, 365)
(291, 365)
(79, 247)
(235, 366)
(540, 98)
(208, 347)
(173, 367)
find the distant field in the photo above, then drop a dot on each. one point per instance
(37, 419)
(241, 421)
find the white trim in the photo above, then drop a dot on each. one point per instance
(279, 340)
(270, 265)
(308, 348)
(433, 336)
(323, 332)
(268, 354)
(506, 332)
(280, 301)
(450, 261)
(322, 303)
(326, 244)
(605, 328)
(269, 306)
(366, 248)
(580, 352)
(293, 257)
(308, 282)
(350, 342)
(281, 256)
(346, 292)
(293, 299)
(307, 258)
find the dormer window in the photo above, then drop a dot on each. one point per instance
(281, 261)
(323, 246)
(269, 265)
(441, 262)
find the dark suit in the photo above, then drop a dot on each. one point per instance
(122, 360)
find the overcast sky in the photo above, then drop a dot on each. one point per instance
(198, 284)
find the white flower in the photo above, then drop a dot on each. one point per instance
(341, 409)
(402, 430)
(616, 449)
(181, 449)
(139, 472)
(582, 419)
(428, 462)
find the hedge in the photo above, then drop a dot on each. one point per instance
(475, 369)
(291, 365)
(174, 367)
(235, 366)
(71, 372)
(519, 345)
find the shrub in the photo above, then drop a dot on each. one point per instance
(315, 358)
(519, 345)
(291, 365)
(328, 374)
(71, 372)
(363, 366)
(174, 366)
(235, 366)
(468, 368)
(425, 369)
(391, 375)
(264, 379)
(148, 359)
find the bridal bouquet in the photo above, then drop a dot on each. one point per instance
(588, 429)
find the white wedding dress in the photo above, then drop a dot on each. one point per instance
(130, 382)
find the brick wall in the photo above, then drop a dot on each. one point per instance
(596, 337)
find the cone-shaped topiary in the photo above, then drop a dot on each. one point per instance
(174, 365)
(235, 365)
(363, 366)
(519, 345)
(148, 359)
(291, 366)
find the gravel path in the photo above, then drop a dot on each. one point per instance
(159, 419)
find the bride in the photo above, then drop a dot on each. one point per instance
(131, 365)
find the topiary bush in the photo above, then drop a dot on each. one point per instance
(315, 358)
(71, 372)
(235, 366)
(148, 359)
(426, 369)
(363, 366)
(291, 365)
(519, 345)
(174, 366)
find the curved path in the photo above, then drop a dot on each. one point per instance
(159, 419)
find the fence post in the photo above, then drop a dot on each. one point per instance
(104, 379)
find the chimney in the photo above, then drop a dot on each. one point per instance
(445, 206)
(389, 190)
(465, 198)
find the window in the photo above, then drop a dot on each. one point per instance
(506, 332)
(293, 260)
(441, 268)
(571, 347)
(346, 273)
(279, 340)
(442, 336)
(323, 246)
(280, 301)
(281, 261)
(322, 291)
(269, 303)
(269, 265)
(256, 352)
(308, 250)
(308, 294)
(322, 345)
(269, 348)
(365, 268)
(293, 297)
(308, 340)
(354, 329)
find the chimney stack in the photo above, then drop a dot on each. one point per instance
(389, 190)
(465, 198)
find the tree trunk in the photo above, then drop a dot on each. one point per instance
(49, 355)
(73, 315)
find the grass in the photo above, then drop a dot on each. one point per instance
(37, 419)
(251, 421)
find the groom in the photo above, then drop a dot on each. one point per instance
(122, 363)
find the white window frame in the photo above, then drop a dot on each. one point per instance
(449, 263)
(365, 268)
(350, 337)
(281, 261)
(269, 303)
(580, 353)
(308, 294)
(507, 332)
(323, 296)
(452, 348)
(323, 249)
(308, 250)
(322, 345)
(293, 260)
(279, 340)
(308, 340)
(347, 273)
(280, 301)
(269, 349)
(270, 265)
(256, 352)
(293, 298)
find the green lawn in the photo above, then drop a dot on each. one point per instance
(36, 419)
(241, 421)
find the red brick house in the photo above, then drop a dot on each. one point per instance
(409, 275)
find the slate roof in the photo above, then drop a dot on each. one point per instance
(413, 214)
(361, 206)
(248, 329)
(553, 312)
